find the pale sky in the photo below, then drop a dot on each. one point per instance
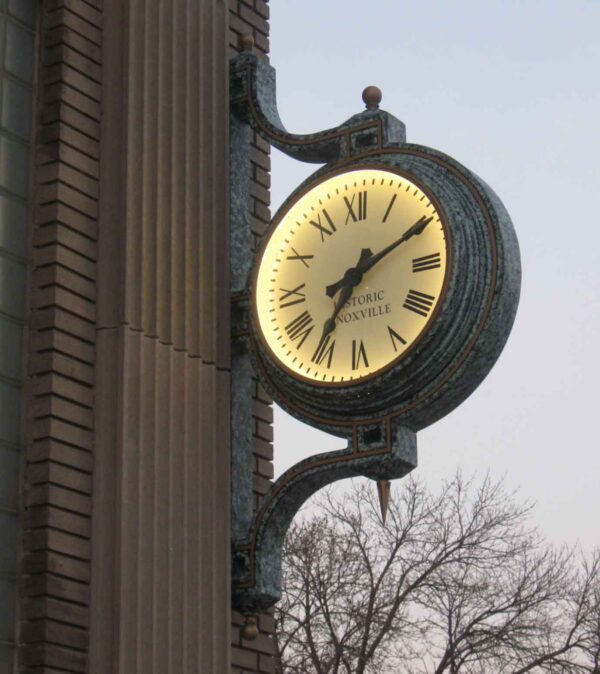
(510, 89)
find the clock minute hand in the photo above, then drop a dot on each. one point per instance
(415, 230)
(368, 260)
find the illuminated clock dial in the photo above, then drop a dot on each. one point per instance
(350, 276)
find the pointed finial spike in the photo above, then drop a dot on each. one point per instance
(383, 491)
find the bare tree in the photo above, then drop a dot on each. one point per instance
(455, 582)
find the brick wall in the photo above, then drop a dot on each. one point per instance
(253, 657)
(59, 420)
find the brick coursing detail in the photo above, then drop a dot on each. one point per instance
(256, 657)
(55, 564)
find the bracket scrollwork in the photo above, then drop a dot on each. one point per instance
(385, 451)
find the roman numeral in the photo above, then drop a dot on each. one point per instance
(420, 303)
(302, 258)
(361, 212)
(300, 328)
(322, 227)
(324, 350)
(389, 208)
(294, 293)
(358, 354)
(395, 337)
(426, 262)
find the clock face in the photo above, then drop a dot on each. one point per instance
(350, 276)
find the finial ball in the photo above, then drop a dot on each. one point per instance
(372, 97)
(246, 42)
(250, 629)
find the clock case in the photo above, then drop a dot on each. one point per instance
(464, 337)
(380, 415)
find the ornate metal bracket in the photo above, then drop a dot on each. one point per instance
(386, 450)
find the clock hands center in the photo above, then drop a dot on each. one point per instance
(368, 260)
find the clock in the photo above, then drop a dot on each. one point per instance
(376, 302)
(351, 276)
(384, 288)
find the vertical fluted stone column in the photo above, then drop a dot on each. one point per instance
(160, 544)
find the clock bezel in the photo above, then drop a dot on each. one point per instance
(312, 183)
